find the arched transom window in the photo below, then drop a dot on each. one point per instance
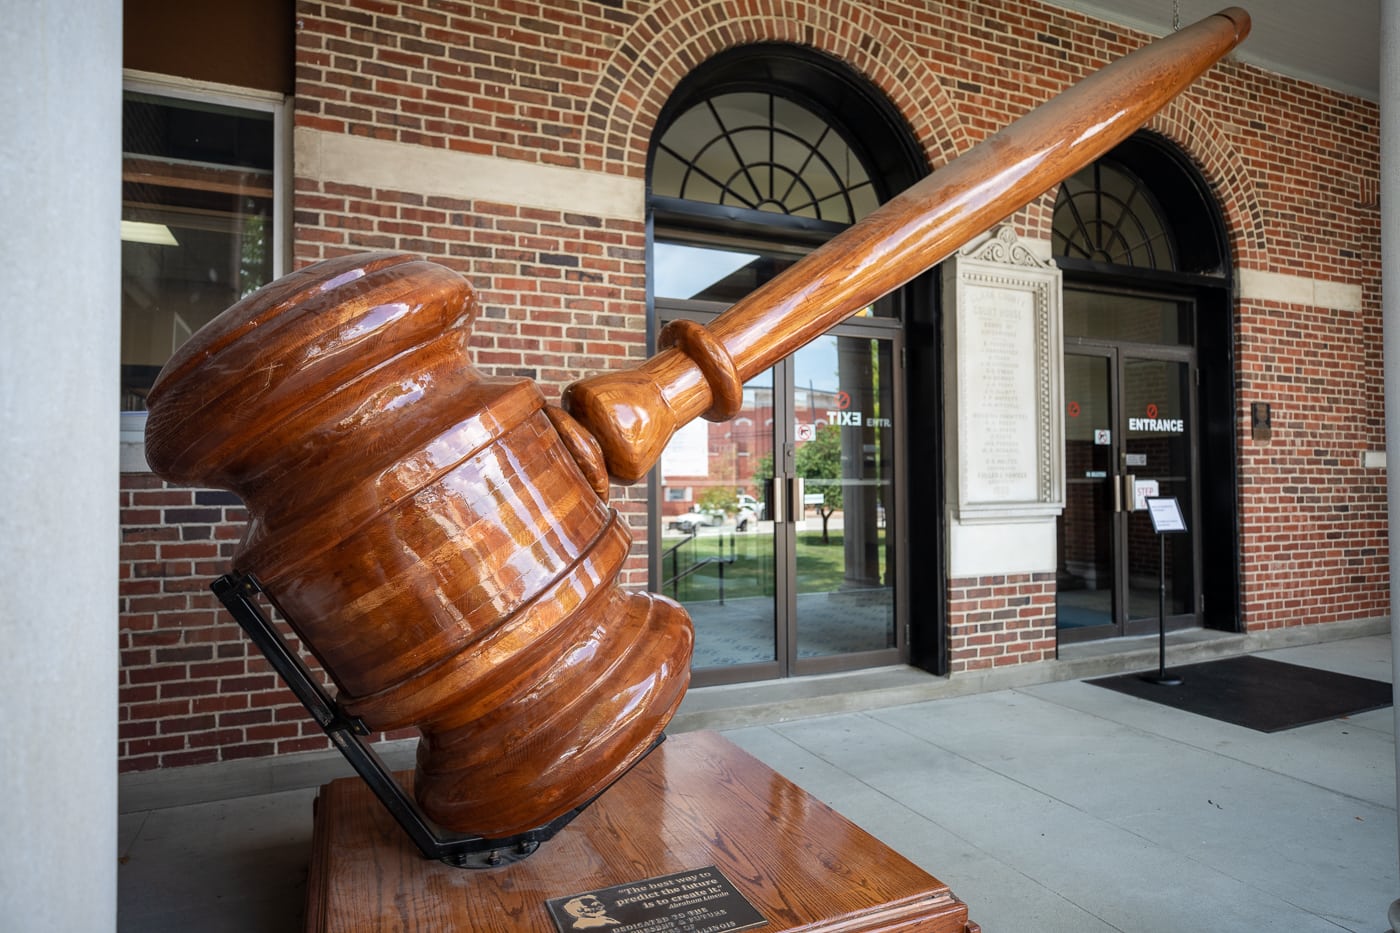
(1105, 214)
(760, 151)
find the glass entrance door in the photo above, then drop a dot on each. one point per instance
(842, 477)
(1129, 435)
(717, 552)
(778, 528)
(1085, 574)
(1157, 457)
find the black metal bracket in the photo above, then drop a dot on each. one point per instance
(238, 593)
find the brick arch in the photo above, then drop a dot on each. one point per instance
(675, 36)
(1194, 130)
(1196, 133)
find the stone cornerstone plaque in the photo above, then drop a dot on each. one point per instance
(1002, 369)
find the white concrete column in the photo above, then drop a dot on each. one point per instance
(60, 176)
(1390, 304)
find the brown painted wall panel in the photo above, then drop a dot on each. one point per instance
(247, 44)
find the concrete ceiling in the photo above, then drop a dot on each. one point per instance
(1332, 44)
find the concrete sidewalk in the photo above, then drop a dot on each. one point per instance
(1051, 807)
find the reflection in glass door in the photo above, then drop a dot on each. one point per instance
(843, 431)
(1085, 578)
(1128, 437)
(1157, 458)
(717, 553)
(777, 528)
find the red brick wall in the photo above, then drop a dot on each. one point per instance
(192, 689)
(559, 295)
(580, 85)
(1313, 519)
(999, 620)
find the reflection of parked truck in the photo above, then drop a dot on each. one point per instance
(749, 513)
(747, 501)
(695, 518)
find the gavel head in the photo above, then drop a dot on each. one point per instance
(439, 540)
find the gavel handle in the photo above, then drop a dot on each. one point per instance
(701, 370)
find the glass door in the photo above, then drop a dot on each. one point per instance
(777, 529)
(718, 553)
(1085, 575)
(842, 541)
(1129, 435)
(1157, 457)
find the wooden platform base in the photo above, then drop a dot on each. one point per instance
(696, 801)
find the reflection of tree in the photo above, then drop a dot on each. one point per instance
(762, 481)
(719, 499)
(762, 473)
(820, 459)
(253, 272)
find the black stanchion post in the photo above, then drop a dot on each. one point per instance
(1166, 518)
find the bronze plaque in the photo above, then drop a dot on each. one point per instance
(698, 901)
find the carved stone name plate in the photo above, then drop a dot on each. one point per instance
(1003, 357)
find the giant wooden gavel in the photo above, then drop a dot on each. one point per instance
(442, 540)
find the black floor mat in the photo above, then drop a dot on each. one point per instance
(1257, 693)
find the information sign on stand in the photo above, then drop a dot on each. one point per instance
(1166, 516)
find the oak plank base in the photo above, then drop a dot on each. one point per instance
(696, 801)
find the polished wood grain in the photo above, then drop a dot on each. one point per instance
(441, 540)
(694, 802)
(431, 534)
(633, 414)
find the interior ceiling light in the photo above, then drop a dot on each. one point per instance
(139, 231)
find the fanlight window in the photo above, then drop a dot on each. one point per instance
(762, 152)
(1105, 214)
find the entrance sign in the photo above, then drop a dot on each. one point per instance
(1157, 425)
(1003, 363)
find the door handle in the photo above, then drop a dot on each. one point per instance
(785, 497)
(1125, 492)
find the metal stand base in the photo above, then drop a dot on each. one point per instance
(238, 593)
(1162, 677)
